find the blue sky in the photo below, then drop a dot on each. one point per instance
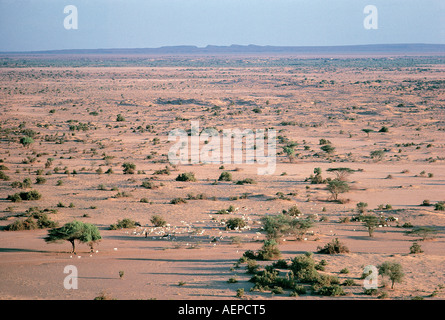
(27, 25)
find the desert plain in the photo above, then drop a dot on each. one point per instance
(91, 114)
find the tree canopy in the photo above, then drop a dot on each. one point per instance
(75, 230)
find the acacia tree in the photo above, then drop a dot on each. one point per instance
(371, 223)
(423, 232)
(335, 187)
(72, 231)
(290, 152)
(393, 270)
(280, 225)
(341, 173)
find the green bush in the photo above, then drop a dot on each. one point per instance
(4, 176)
(246, 181)
(158, 221)
(187, 176)
(332, 290)
(235, 223)
(225, 176)
(440, 206)
(124, 224)
(415, 248)
(178, 201)
(269, 250)
(40, 180)
(333, 247)
(129, 168)
(26, 196)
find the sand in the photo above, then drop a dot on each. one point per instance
(319, 100)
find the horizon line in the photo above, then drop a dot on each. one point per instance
(210, 48)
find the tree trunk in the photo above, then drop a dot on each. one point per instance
(74, 246)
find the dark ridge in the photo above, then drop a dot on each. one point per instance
(415, 48)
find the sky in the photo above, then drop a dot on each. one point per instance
(32, 25)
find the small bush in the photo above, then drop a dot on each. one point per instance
(349, 283)
(124, 224)
(240, 293)
(235, 223)
(269, 250)
(40, 180)
(225, 176)
(333, 247)
(158, 221)
(178, 201)
(187, 176)
(415, 248)
(344, 271)
(129, 168)
(332, 290)
(26, 196)
(149, 185)
(440, 206)
(246, 181)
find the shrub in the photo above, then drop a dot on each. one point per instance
(26, 141)
(293, 211)
(277, 290)
(124, 224)
(27, 196)
(187, 176)
(424, 233)
(344, 271)
(235, 223)
(361, 207)
(22, 224)
(246, 181)
(232, 280)
(148, 185)
(370, 291)
(332, 290)
(333, 247)
(384, 129)
(4, 176)
(40, 180)
(329, 149)
(393, 270)
(158, 221)
(280, 264)
(299, 289)
(240, 293)
(415, 248)
(440, 206)
(269, 250)
(341, 173)
(349, 283)
(120, 118)
(377, 155)
(303, 268)
(252, 266)
(281, 225)
(335, 187)
(225, 176)
(129, 167)
(178, 201)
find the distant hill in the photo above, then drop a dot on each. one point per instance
(434, 49)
